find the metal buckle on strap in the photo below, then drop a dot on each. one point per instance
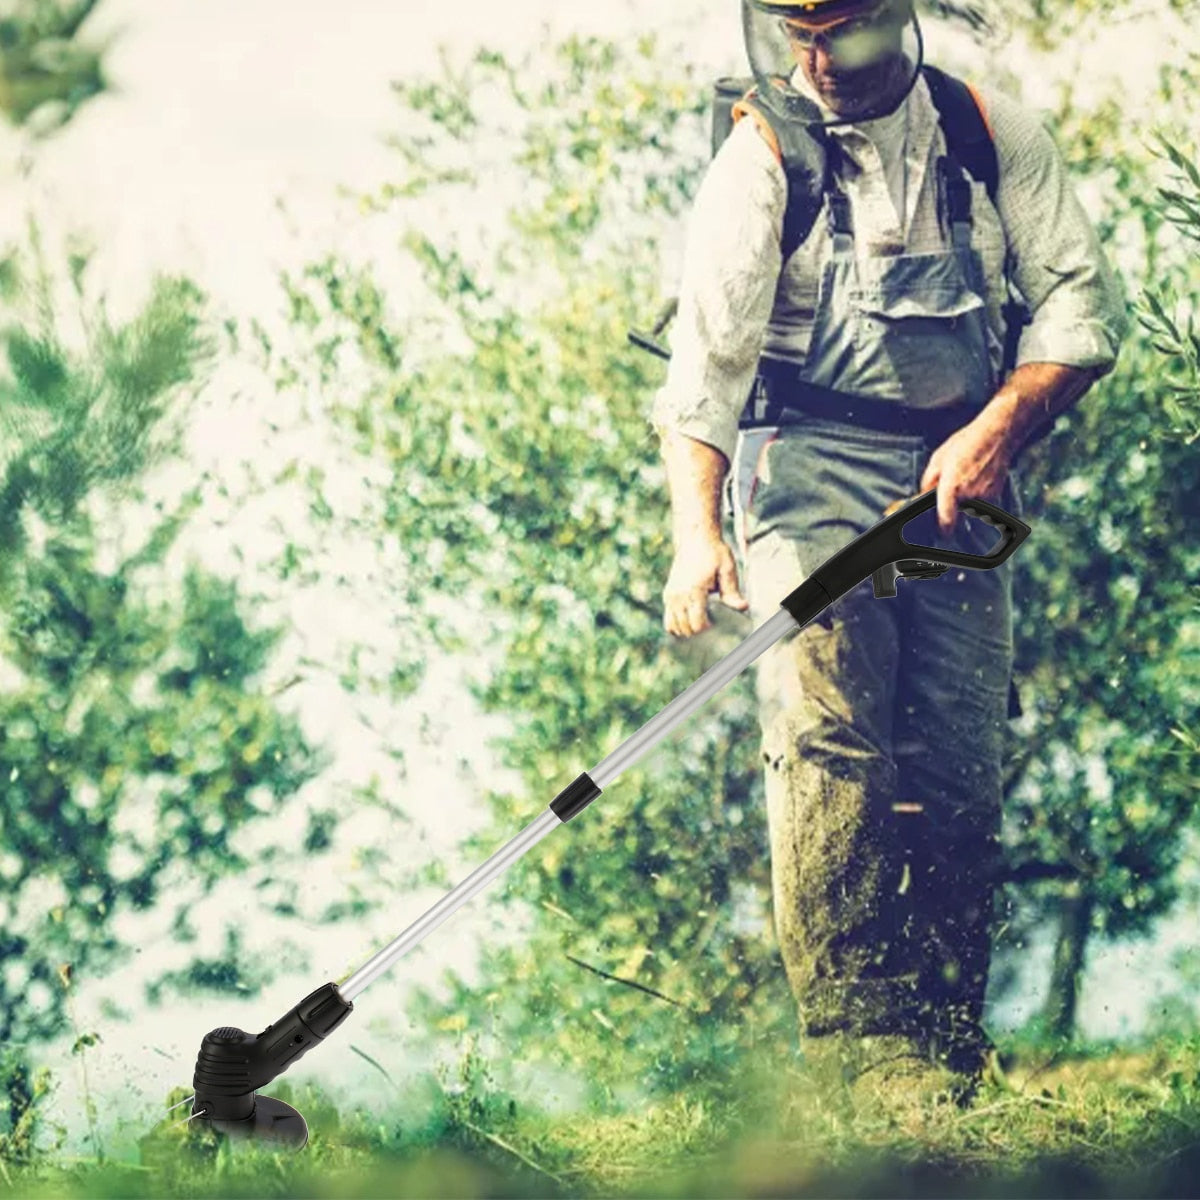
(955, 199)
(760, 400)
(839, 214)
(841, 225)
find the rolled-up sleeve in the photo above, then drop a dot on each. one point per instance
(1078, 311)
(730, 271)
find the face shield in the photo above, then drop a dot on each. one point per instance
(857, 64)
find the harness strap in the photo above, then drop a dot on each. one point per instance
(965, 124)
(801, 149)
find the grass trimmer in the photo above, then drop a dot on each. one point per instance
(232, 1064)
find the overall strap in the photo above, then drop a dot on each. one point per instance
(841, 224)
(954, 200)
(801, 151)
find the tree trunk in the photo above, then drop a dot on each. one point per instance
(1074, 926)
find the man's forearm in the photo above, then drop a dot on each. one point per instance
(695, 474)
(974, 460)
(1034, 395)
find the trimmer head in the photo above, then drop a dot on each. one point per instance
(232, 1064)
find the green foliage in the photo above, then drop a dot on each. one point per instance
(1055, 24)
(974, 16)
(1107, 634)
(134, 740)
(25, 1092)
(1178, 338)
(76, 421)
(134, 733)
(47, 69)
(1168, 314)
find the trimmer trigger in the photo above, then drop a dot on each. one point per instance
(884, 579)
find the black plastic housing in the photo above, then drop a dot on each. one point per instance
(575, 797)
(232, 1063)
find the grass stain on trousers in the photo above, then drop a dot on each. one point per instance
(883, 732)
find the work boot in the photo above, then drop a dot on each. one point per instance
(971, 1054)
(897, 1074)
(881, 1074)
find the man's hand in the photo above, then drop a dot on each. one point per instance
(702, 565)
(973, 461)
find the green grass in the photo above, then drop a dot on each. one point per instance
(1114, 1123)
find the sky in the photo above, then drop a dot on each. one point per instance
(219, 152)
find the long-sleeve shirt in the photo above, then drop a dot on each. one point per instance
(735, 302)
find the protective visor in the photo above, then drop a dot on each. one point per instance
(858, 59)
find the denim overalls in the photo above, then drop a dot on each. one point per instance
(883, 727)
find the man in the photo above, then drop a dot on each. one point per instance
(875, 351)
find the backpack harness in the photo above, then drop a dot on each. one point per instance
(811, 178)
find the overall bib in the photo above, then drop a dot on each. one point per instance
(883, 727)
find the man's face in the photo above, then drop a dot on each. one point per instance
(856, 64)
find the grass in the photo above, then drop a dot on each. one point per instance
(1108, 1123)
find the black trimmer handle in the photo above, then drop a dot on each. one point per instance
(884, 552)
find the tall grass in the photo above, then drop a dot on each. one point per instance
(1106, 1123)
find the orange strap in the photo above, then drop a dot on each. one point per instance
(742, 109)
(983, 112)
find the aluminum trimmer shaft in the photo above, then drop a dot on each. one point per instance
(578, 795)
(232, 1064)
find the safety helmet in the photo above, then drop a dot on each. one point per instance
(858, 58)
(820, 14)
